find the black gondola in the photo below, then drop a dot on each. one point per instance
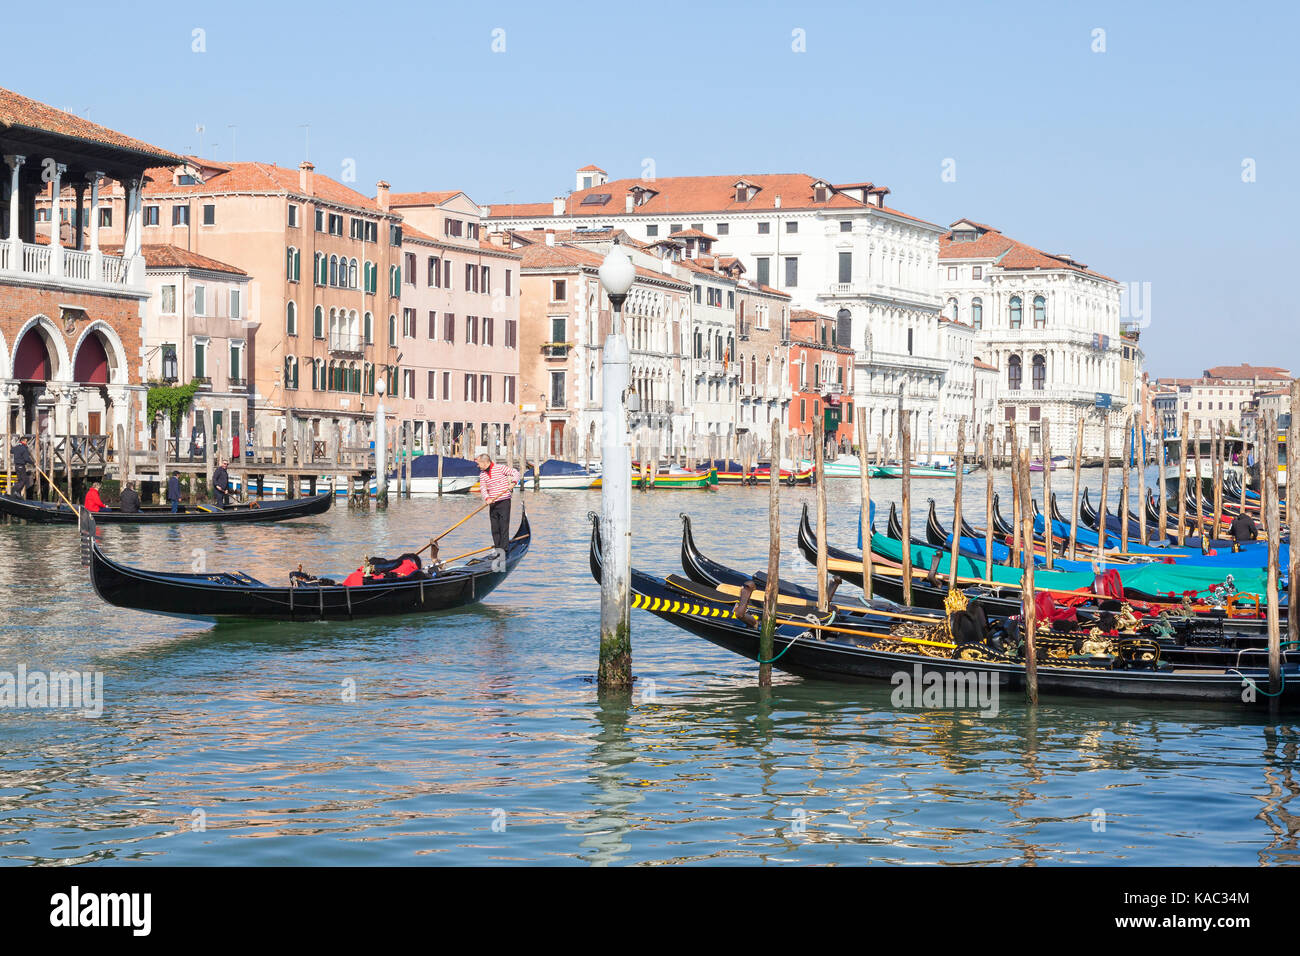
(208, 597)
(1001, 527)
(854, 654)
(50, 513)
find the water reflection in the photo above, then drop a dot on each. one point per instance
(463, 713)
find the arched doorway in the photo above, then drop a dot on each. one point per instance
(34, 366)
(91, 367)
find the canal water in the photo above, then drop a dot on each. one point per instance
(476, 736)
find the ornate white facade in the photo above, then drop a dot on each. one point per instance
(1051, 327)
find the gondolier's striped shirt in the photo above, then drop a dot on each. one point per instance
(497, 482)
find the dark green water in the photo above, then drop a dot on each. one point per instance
(476, 736)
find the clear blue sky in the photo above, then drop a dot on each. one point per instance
(1130, 160)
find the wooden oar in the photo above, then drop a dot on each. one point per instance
(434, 541)
(470, 554)
(54, 484)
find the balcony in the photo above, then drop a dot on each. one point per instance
(73, 267)
(240, 383)
(556, 350)
(202, 381)
(345, 343)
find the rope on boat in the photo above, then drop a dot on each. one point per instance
(1255, 687)
(792, 643)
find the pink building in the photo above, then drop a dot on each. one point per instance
(459, 334)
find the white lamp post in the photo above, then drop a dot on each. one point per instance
(615, 672)
(381, 448)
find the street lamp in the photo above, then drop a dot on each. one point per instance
(615, 671)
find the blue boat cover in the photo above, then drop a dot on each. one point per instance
(426, 466)
(554, 468)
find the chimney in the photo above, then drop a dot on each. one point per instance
(777, 203)
(304, 177)
(550, 238)
(557, 206)
(381, 195)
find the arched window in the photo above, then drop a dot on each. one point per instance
(1013, 373)
(370, 329)
(291, 318)
(1040, 312)
(1015, 312)
(288, 264)
(352, 274)
(334, 270)
(1039, 370)
(392, 329)
(977, 312)
(290, 371)
(318, 323)
(322, 268)
(952, 309)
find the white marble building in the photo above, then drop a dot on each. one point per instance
(1051, 327)
(834, 248)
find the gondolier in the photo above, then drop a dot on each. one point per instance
(496, 483)
(221, 484)
(23, 467)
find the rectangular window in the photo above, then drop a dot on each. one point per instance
(791, 227)
(180, 215)
(803, 411)
(449, 328)
(236, 362)
(487, 280)
(507, 283)
(200, 300)
(471, 330)
(674, 227)
(433, 385)
(169, 371)
(320, 220)
(485, 388)
(487, 330)
(724, 228)
(293, 215)
(764, 228)
(510, 389)
(151, 215)
(977, 272)
(846, 267)
(557, 390)
(169, 300)
(435, 272)
(394, 234)
(452, 227)
(336, 224)
(409, 262)
(106, 216)
(764, 270)
(651, 231)
(512, 334)
(209, 214)
(236, 307)
(446, 274)
(791, 272)
(846, 225)
(559, 326)
(200, 358)
(446, 386)
(559, 290)
(433, 327)
(471, 383)
(952, 273)
(408, 323)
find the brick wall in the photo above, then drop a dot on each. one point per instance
(19, 303)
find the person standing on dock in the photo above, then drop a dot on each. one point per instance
(496, 483)
(221, 483)
(174, 491)
(23, 466)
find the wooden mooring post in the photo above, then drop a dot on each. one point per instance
(988, 503)
(1292, 443)
(1028, 608)
(1163, 517)
(1269, 487)
(1182, 480)
(1048, 540)
(770, 603)
(956, 504)
(1074, 499)
(1123, 494)
(905, 420)
(864, 520)
(823, 592)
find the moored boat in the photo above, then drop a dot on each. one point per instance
(236, 513)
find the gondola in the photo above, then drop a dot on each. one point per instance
(817, 647)
(1190, 642)
(215, 596)
(255, 511)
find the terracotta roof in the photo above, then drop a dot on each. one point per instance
(484, 245)
(691, 234)
(1247, 371)
(163, 256)
(541, 256)
(1006, 252)
(683, 195)
(980, 363)
(21, 112)
(422, 199)
(258, 177)
(591, 169)
(806, 315)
